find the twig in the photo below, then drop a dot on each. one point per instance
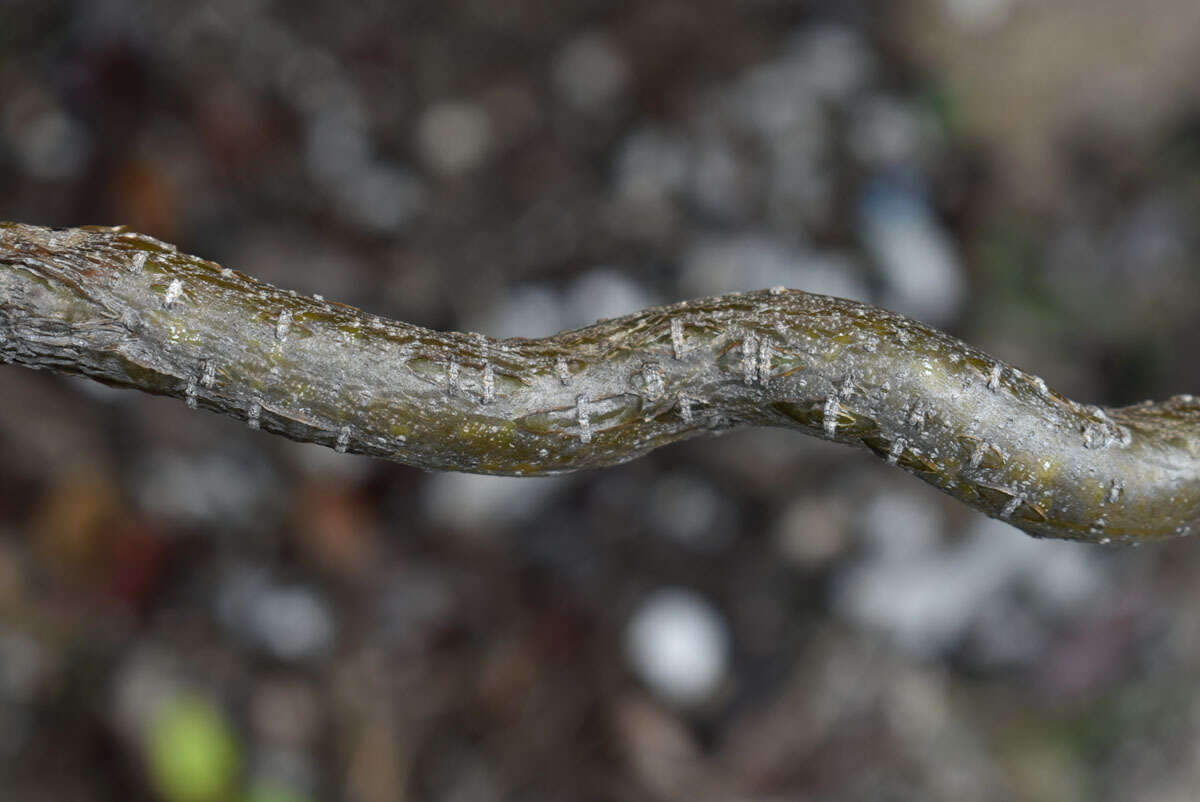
(129, 310)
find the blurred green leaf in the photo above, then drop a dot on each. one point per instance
(193, 752)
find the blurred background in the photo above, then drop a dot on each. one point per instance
(194, 612)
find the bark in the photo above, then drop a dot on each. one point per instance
(129, 310)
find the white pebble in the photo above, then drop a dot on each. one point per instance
(469, 502)
(214, 489)
(832, 60)
(533, 309)
(591, 72)
(292, 622)
(602, 293)
(455, 136)
(651, 163)
(885, 131)
(49, 143)
(921, 271)
(992, 594)
(678, 645)
(380, 196)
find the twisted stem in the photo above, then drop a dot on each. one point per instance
(129, 310)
